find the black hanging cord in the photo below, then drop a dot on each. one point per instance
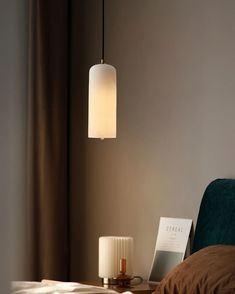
(68, 249)
(102, 58)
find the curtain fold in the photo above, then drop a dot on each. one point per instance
(48, 206)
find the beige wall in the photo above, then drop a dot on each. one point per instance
(176, 122)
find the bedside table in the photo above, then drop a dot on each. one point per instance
(143, 288)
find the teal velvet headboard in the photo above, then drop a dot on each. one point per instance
(216, 219)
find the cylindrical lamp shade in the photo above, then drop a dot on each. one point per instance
(102, 101)
(111, 251)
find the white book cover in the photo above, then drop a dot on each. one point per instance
(171, 243)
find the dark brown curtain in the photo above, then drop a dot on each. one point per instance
(48, 251)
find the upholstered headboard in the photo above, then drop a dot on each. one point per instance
(216, 219)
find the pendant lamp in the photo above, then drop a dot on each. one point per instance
(102, 97)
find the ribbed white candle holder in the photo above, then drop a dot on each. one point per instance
(111, 250)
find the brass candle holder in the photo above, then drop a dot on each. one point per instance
(123, 280)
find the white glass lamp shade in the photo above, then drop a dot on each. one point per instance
(102, 101)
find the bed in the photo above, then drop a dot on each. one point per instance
(211, 267)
